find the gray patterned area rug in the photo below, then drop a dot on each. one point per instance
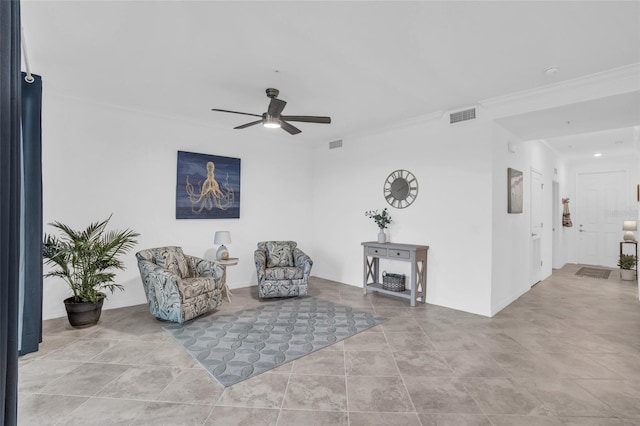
(602, 274)
(236, 346)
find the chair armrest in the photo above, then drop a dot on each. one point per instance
(260, 258)
(302, 261)
(204, 268)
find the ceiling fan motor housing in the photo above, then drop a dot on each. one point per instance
(272, 93)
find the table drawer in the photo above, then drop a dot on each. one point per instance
(376, 251)
(402, 254)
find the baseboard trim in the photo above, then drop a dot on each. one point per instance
(508, 300)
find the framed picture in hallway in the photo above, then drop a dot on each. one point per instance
(515, 189)
(207, 187)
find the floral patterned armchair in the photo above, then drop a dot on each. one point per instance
(179, 287)
(283, 269)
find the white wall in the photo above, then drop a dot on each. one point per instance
(452, 213)
(98, 160)
(511, 249)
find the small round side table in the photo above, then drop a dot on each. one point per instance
(232, 261)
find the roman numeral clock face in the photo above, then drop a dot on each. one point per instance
(401, 189)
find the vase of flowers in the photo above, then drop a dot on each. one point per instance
(382, 220)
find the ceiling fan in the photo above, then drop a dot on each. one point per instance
(273, 119)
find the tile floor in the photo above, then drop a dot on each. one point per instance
(565, 353)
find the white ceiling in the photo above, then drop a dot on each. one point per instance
(611, 112)
(608, 143)
(366, 64)
(579, 130)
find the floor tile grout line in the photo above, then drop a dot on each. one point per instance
(404, 384)
(284, 394)
(613, 410)
(346, 382)
(113, 398)
(62, 421)
(463, 385)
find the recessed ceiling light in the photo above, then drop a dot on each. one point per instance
(597, 154)
(551, 71)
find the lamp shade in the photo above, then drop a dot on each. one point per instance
(629, 226)
(222, 237)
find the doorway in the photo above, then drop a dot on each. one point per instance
(600, 199)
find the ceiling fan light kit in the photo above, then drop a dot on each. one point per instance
(273, 119)
(271, 123)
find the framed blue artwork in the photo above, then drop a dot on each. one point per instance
(208, 186)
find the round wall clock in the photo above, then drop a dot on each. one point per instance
(401, 189)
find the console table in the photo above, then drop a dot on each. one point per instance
(417, 255)
(224, 263)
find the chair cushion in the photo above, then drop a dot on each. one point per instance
(172, 258)
(283, 273)
(193, 287)
(279, 254)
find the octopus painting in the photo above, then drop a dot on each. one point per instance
(209, 193)
(208, 186)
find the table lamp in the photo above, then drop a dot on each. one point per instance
(629, 226)
(222, 237)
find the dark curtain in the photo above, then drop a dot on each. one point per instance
(10, 170)
(30, 316)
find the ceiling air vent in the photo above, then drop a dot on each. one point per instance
(335, 144)
(467, 114)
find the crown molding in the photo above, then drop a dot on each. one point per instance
(409, 122)
(605, 77)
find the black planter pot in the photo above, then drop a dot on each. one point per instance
(83, 314)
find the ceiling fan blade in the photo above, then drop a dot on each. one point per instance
(236, 112)
(307, 119)
(289, 128)
(275, 107)
(253, 123)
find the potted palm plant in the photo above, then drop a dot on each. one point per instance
(627, 262)
(86, 261)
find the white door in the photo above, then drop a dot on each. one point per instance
(536, 227)
(599, 205)
(556, 223)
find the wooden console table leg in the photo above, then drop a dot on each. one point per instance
(365, 273)
(421, 281)
(371, 271)
(414, 281)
